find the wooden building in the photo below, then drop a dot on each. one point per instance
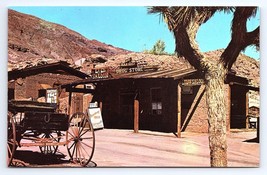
(42, 83)
(163, 100)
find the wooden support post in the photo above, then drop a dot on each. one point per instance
(247, 107)
(258, 129)
(179, 94)
(136, 116)
(101, 106)
(69, 106)
(229, 103)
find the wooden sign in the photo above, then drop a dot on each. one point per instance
(130, 66)
(192, 82)
(96, 118)
(51, 95)
(100, 73)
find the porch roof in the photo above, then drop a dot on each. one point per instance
(174, 74)
(60, 67)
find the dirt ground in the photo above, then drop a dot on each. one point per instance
(123, 148)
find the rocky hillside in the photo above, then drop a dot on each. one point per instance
(244, 66)
(34, 41)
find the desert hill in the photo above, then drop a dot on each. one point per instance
(33, 41)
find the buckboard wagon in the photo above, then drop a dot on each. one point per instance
(33, 123)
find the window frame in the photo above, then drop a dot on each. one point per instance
(158, 102)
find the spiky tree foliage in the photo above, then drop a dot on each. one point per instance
(158, 48)
(184, 22)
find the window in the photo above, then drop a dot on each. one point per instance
(41, 93)
(187, 89)
(156, 101)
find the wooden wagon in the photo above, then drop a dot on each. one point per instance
(33, 123)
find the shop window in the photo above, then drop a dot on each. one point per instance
(156, 101)
(187, 89)
(41, 93)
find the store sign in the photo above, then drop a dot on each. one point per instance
(96, 118)
(192, 82)
(130, 66)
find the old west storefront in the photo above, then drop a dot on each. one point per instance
(42, 83)
(161, 100)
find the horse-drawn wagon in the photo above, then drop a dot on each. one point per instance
(33, 123)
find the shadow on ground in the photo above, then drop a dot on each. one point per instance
(37, 158)
(254, 140)
(25, 158)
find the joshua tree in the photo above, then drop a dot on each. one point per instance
(184, 22)
(158, 48)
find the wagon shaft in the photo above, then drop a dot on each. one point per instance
(43, 144)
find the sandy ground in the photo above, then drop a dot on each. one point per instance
(123, 148)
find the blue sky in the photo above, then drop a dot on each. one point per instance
(133, 29)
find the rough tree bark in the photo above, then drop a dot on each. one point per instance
(215, 96)
(215, 73)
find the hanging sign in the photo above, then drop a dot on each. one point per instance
(100, 73)
(192, 82)
(51, 95)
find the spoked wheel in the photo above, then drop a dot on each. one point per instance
(11, 139)
(18, 163)
(81, 139)
(49, 137)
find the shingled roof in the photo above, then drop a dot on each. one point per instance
(60, 67)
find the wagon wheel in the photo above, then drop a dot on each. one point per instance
(11, 142)
(81, 139)
(49, 138)
(18, 163)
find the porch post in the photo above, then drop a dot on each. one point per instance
(69, 106)
(179, 111)
(258, 129)
(247, 107)
(136, 116)
(229, 103)
(101, 105)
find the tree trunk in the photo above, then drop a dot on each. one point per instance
(216, 115)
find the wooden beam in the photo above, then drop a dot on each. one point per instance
(136, 116)
(258, 129)
(247, 107)
(69, 106)
(101, 105)
(229, 103)
(179, 103)
(79, 90)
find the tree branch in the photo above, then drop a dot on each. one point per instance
(253, 37)
(184, 47)
(240, 37)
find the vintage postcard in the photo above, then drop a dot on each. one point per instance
(133, 86)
